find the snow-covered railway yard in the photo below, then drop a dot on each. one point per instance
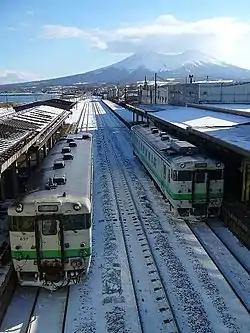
(36, 310)
(149, 271)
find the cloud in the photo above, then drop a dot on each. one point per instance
(30, 12)
(59, 31)
(227, 38)
(12, 76)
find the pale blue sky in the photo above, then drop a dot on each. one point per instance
(52, 38)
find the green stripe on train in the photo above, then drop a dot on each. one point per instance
(50, 254)
(173, 195)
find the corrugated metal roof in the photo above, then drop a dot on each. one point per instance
(18, 129)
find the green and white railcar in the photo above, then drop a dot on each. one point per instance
(192, 183)
(51, 225)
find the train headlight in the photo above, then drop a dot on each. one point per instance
(19, 208)
(77, 206)
(182, 165)
(218, 164)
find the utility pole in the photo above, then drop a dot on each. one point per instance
(155, 86)
(125, 94)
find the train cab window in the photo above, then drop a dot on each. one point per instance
(49, 227)
(216, 174)
(22, 223)
(184, 176)
(199, 177)
(76, 222)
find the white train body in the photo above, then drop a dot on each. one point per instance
(51, 225)
(192, 183)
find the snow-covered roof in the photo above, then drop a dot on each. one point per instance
(238, 136)
(237, 107)
(188, 116)
(229, 128)
(25, 128)
(6, 111)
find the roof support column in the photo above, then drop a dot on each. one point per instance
(9, 183)
(38, 157)
(245, 194)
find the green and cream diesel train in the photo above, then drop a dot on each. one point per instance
(191, 182)
(51, 224)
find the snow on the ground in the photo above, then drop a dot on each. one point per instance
(48, 315)
(237, 276)
(92, 124)
(17, 317)
(232, 242)
(190, 275)
(141, 264)
(105, 301)
(76, 112)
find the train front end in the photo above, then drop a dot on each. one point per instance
(200, 186)
(51, 241)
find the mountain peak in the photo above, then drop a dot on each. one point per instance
(145, 63)
(158, 62)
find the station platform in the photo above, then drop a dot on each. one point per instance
(122, 113)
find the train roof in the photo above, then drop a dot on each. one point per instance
(77, 172)
(172, 149)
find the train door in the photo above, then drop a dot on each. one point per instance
(48, 244)
(200, 192)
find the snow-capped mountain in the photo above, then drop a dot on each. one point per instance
(137, 66)
(157, 62)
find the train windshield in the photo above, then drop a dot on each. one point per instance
(76, 222)
(22, 223)
(49, 226)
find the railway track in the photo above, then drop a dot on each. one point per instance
(81, 118)
(231, 267)
(234, 268)
(159, 233)
(150, 291)
(165, 260)
(36, 310)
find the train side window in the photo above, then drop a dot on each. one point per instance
(184, 175)
(169, 175)
(164, 171)
(216, 174)
(22, 223)
(76, 222)
(154, 161)
(88, 221)
(49, 227)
